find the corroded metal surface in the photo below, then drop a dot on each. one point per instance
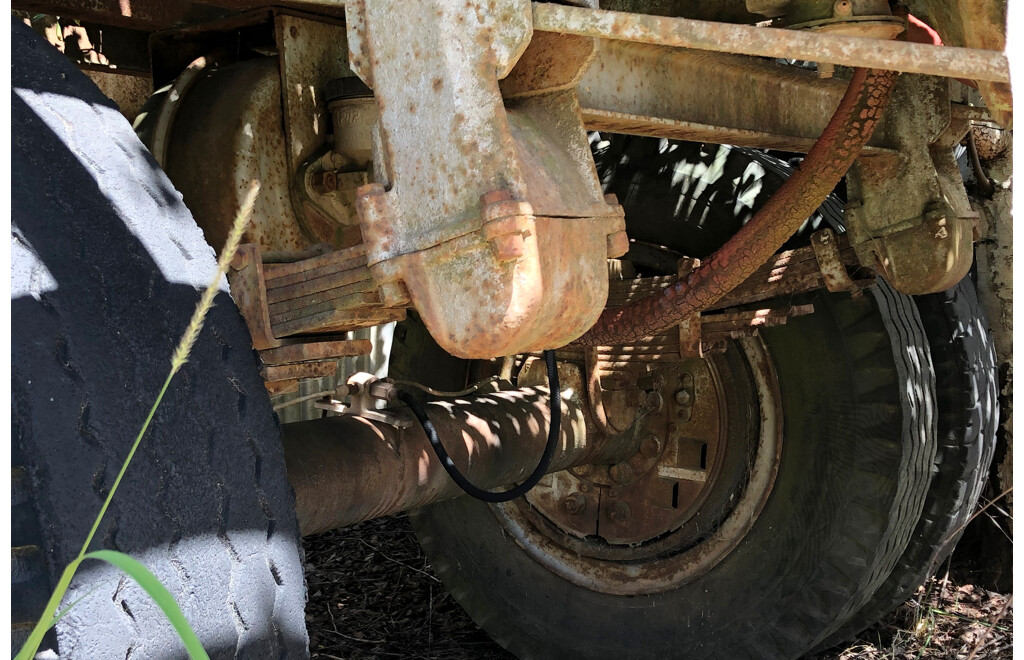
(700, 476)
(226, 132)
(829, 159)
(347, 469)
(837, 49)
(833, 270)
(647, 90)
(311, 53)
(249, 293)
(314, 351)
(977, 24)
(913, 223)
(489, 220)
(663, 483)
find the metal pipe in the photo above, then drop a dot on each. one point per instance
(348, 469)
(858, 52)
(829, 159)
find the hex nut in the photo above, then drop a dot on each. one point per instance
(683, 397)
(621, 473)
(581, 470)
(650, 446)
(324, 182)
(575, 504)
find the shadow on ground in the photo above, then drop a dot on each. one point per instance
(372, 594)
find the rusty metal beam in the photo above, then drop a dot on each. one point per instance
(830, 158)
(953, 62)
(709, 97)
(348, 469)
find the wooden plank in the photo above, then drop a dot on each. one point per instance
(313, 351)
(298, 371)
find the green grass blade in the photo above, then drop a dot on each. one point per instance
(60, 615)
(180, 356)
(160, 595)
(35, 638)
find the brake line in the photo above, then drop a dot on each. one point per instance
(833, 153)
(554, 430)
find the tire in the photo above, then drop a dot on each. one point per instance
(852, 510)
(107, 265)
(796, 569)
(968, 415)
(959, 340)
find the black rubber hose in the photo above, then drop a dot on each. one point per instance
(545, 460)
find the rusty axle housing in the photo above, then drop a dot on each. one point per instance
(348, 469)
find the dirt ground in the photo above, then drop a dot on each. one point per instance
(372, 594)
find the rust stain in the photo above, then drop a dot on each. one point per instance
(832, 155)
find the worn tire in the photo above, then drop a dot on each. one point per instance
(959, 339)
(966, 396)
(857, 452)
(968, 414)
(107, 264)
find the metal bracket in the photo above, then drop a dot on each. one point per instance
(364, 390)
(487, 214)
(833, 270)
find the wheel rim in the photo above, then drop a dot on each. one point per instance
(636, 527)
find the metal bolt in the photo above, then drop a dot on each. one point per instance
(508, 247)
(620, 513)
(621, 473)
(575, 504)
(683, 397)
(842, 8)
(617, 244)
(650, 446)
(324, 182)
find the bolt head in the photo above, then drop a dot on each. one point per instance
(651, 446)
(621, 473)
(620, 513)
(842, 8)
(574, 504)
(508, 247)
(324, 182)
(683, 397)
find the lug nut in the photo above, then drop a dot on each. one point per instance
(575, 504)
(620, 513)
(683, 397)
(324, 182)
(621, 473)
(650, 446)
